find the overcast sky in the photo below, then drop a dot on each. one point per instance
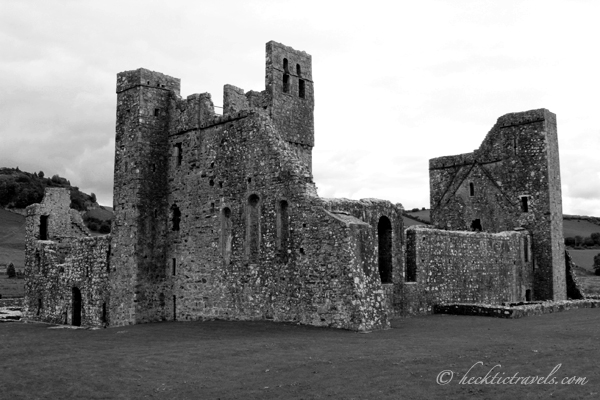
(396, 82)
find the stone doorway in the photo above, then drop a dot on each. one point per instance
(76, 318)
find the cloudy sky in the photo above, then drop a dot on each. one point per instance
(396, 82)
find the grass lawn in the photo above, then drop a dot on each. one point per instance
(12, 287)
(263, 360)
(574, 227)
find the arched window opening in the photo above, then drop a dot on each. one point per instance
(298, 70)
(176, 217)
(76, 311)
(253, 228)
(301, 89)
(384, 234)
(178, 154)
(286, 83)
(283, 229)
(226, 235)
(286, 76)
(471, 189)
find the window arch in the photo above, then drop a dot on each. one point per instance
(384, 235)
(283, 229)
(253, 227)
(226, 234)
(298, 70)
(286, 76)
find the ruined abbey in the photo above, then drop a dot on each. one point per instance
(217, 216)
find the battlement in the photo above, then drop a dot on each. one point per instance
(144, 77)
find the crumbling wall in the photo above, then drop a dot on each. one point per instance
(468, 267)
(55, 270)
(512, 180)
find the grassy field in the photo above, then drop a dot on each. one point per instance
(12, 239)
(573, 227)
(12, 287)
(584, 258)
(263, 360)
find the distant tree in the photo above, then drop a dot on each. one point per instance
(578, 240)
(588, 241)
(93, 197)
(10, 270)
(423, 209)
(41, 174)
(415, 209)
(596, 237)
(570, 241)
(597, 264)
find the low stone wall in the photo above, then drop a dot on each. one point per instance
(464, 267)
(518, 311)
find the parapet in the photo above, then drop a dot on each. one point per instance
(144, 77)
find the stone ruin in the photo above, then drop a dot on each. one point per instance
(217, 216)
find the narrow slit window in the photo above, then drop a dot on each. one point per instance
(174, 266)
(298, 70)
(526, 249)
(286, 83)
(174, 308)
(301, 90)
(471, 189)
(176, 217)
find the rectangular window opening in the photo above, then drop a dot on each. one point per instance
(178, 153)
(301, 92)
(43, 227)
(525, 204)
(174, 266)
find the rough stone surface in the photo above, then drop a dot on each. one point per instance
(67, 261)
(512, 180)
(217, 216)
(454, 266)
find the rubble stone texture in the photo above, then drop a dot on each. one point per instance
(512, 180)
(217, 216)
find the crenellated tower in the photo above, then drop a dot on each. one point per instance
(289, 88)
(140, 193)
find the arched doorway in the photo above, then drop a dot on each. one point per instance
(76, 319)
(384, 234)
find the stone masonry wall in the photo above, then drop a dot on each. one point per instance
(468, 267)
(53, 272)
(512, 180)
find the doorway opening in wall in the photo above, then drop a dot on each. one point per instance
(43, 227)
(174, 308)
(76, 316)
(528, 295)
(384, 234)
